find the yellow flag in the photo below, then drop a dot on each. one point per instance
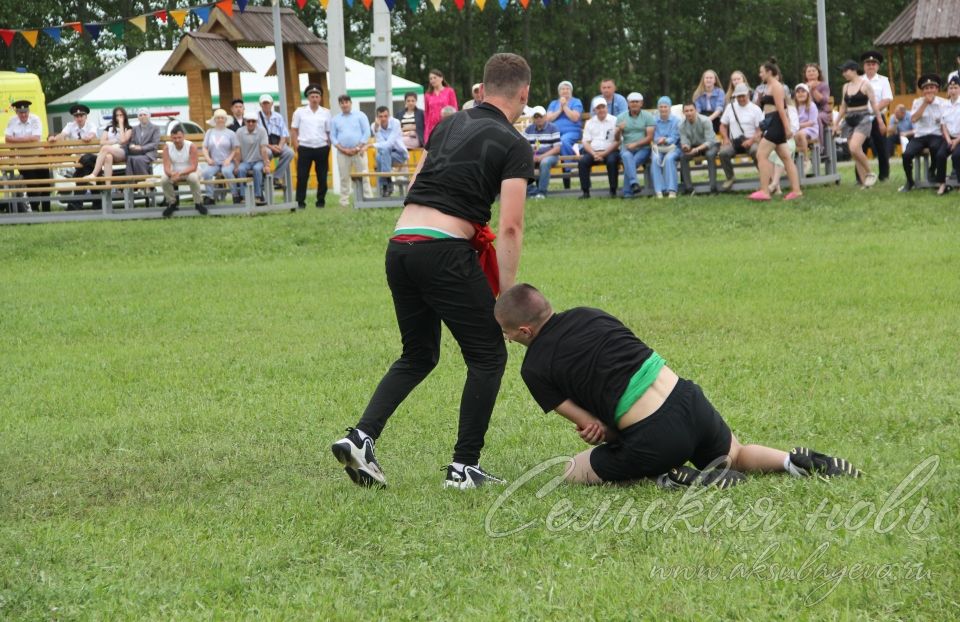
(480, 3)
(179, 16)
(139, 22)
(324, 3)
(436, 4)
(30, 36)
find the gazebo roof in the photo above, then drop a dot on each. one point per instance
(206, 51)
(254, 27)
(312, 57)
(923, 20)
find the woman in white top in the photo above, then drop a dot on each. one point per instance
(113, 142)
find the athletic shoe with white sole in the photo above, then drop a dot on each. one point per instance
(469, 477)
(684, 476)
(358, 461)
(805, 462)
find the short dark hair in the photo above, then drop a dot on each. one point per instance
(176, 129)
(344, 98)
(382, 109)
(236, 101)
(409, 94)
(504, 74)
(522, 304)
(689, 103)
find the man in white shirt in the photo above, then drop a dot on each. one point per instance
(927, 118)
(477, 97)
(956, 72)
(310, 138)
(740, 131)
(600, 144)
(951, 126)
(25, 127)
(83, 129)
(881, 87)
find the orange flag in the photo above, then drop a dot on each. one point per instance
(179, 16)
(367, 4)
(480, 3)
(226, 6)
(76, 26)
(30, 36)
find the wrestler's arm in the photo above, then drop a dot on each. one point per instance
(590, 429)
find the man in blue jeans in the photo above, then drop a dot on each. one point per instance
(389, 146)
(544, 138)
(635, 130)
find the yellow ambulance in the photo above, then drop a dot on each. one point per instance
(15, 86)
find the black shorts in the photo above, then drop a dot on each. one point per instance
(686, 428)
(774, 131)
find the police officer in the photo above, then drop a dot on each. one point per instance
(25, 127)
(871, 62)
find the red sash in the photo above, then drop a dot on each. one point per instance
(482, 242)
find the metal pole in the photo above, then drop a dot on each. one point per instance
(380, 50)
(822, 35)
(336, 52)
(278, 51)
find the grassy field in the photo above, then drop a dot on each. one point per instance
(170, 390)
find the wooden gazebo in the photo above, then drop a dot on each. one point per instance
(932, 22)
(209, 50)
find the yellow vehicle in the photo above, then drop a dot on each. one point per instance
(15, 86)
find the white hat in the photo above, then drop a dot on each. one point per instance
(476, 87)
(537, 110)
(634, 97)
(249, 115)
(219, 112)
(741, 89)
(266, 98)
(597, 101)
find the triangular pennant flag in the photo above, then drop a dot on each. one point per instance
(546, 3)
(390, 4)
(367, 4)
(76, 26)
(323, 4)
(179, 16)
(203, 12)
(226, 6)
(414, 5)
(480, 3)
(436, 4)
(94, 30)
(524, 4)
(161, 15)
(54, 33)
(30, 36)
(459, 4)
(117, 29)
(139, 22)
(301, 4)
(242, 5)
(7, 36)
(503, 4)
(350, 3)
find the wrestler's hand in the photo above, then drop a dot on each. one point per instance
(593, 434)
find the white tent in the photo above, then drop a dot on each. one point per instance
(137, 83)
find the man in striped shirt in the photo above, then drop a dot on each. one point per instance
(544, 138)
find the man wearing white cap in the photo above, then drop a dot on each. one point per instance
(277, 136)
(544, 138)
(600, 145)
(635, 131)
(740, 130)
(142, 148)
(254, 153)
(477, 97)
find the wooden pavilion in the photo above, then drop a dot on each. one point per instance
(923, 22)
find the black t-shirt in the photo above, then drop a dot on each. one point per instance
(584, 355)
(468, 155)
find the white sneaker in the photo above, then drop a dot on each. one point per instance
(469, 477)
(358, 461)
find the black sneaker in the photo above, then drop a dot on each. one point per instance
(585, 195)
(805, 462)
(170, 209)
(208, 200)
(202, 209)
(685, 476)
(358, 460)
(635, 188)
(469, 477)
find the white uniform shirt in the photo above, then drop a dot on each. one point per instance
(72, 131)
(951, 117)
(929, 123)
(313, 127)
(600, 134)
(16, 129)
(881, 89)
(749, 116)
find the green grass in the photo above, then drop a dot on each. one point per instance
(170, 390)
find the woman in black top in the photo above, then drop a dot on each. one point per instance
(776, 133)
(857, 119)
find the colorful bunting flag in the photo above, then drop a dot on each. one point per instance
(480, 3)
(414, 5)
(76, 26)
(436, 4)
(94, 30)
(7, 36)
(203, 12)
(524, 4)
(179, 16)
(117, 29)
(140, 22)
(226, 6)
(242, 5)
(459, 4)
(54, 33)
(161, 15)
(350, 3)
(301, 4)
(546, 3)
(367, 4)
(30, 36)
(503, 4)
(390, 4)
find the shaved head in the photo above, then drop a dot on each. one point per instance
(522, 306)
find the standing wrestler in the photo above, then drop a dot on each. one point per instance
(441, 267)
(881, 89)
(592, 370)
(776, 133)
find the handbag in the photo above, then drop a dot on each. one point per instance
(273, 139)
